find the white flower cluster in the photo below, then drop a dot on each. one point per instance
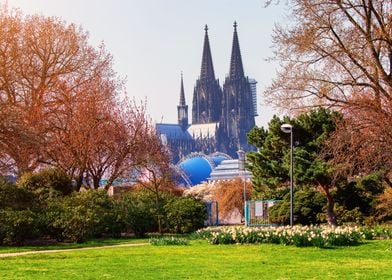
(319, 236)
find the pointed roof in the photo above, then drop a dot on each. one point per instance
(236, 68)
(207, 68)
(182, 93)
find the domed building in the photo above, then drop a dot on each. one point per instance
(197, 168)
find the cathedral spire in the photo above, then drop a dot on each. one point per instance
(182, 92)
(182, 108)
(236, 68)
(207, 68)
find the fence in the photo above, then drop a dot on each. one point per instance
(257, 214)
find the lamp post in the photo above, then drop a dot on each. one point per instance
(288, 128)
(241, 168)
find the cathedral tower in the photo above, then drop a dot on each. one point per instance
(182, 108)
(237, 117)
(206, 105)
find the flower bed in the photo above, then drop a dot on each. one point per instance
(300, 236)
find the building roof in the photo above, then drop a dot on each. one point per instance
(173, 131)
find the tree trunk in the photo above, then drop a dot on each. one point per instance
(158, 213)
(331, 217)
(96, 180)
(79, 181)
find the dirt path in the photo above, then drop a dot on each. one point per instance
(5, 255)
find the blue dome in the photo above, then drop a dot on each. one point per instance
(197, 169)
(217, 158)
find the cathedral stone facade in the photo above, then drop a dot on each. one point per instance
(221, 116)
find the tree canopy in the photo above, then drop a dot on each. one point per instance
(339, 54)
(270, 164)
(63, 105)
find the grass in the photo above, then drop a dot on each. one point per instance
(91, 243)
(199, 260)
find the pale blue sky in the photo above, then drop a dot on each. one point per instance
(152, 41)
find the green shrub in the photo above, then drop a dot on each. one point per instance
(13, 197)
(47, 183)
(84, 215)
(139, 212)
(356, 200)
(185, 214)
(16, 226)
(308, 205)
(168, 241)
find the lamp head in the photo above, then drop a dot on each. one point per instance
(286, 128)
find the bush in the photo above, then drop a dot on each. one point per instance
(355, 201)
(18, 218)
(84, 215)
(384, 205)
(179, 214)
(139, 212)
(17, 226)
(47, 183)
(308, 205)
(13, 197)
(185, 214)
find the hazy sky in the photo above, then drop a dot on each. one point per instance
(152, 41)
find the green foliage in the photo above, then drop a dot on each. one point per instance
(139, 211)
(19, 219)
(358, 198)
(308, 206)
(47, 183)
(266, 165)
(17, 225)
(168, 241)
(270, 165)
(179, 214)
(185, 214)
(84, 215)
(13, 197)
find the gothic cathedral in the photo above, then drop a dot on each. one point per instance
(221, 116)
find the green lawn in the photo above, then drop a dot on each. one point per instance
(372, 260)
(91, 243)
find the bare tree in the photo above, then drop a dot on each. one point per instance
(50, 78)
(121, 143)
(230, 196)
(332, 49)
(339, 54)
(154, 171)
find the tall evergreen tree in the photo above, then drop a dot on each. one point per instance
(271, 163)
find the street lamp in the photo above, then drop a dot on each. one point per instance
(241, 168)
(288, 128)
